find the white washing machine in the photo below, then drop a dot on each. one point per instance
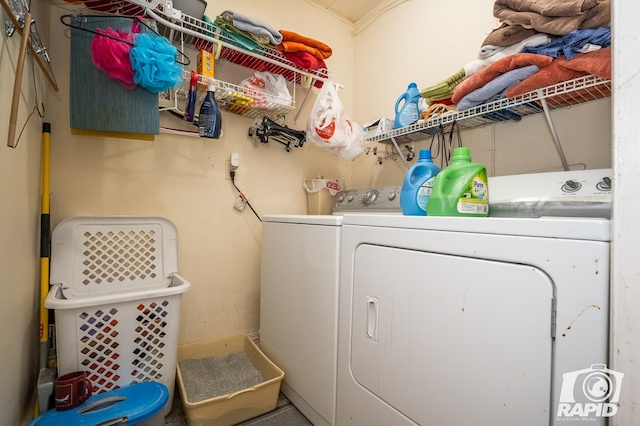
(474, 321)
(299, 310)
(299, 298)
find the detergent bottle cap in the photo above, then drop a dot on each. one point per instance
(212, 85)
(461, 154)
(424, 154)
(413, 85)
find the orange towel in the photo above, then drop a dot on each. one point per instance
(293, 42)
(597, 63)
(496, 69)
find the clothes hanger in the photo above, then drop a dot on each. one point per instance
(135, 20)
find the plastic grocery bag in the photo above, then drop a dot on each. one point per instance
(329, 126)
(267, 90)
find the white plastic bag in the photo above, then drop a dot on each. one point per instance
(329, 126)
(267, 90)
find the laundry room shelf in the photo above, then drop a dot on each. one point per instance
(230, 97)
(569, 93)
(194, 33)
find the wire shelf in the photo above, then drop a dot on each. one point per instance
(197, 34)
(569, 93)
(233, 98)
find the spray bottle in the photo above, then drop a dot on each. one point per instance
(210, 119)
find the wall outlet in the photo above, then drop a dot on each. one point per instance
(229, 168)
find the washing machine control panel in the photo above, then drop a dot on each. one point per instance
(581, 193)
(384, 199)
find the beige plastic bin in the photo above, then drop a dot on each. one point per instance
(231, 409)
(321, 194)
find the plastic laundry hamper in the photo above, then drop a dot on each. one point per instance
(117, 294)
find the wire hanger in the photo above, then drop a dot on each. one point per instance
(135, 20)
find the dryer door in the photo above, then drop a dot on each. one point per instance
(451, 340)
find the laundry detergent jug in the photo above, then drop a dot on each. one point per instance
(418, 184)
(407, 107)
(460, 189)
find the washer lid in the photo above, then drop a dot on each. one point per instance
(592, 229)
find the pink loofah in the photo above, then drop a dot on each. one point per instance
(111, 55)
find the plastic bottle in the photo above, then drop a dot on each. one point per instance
(409, 112)
(418, 183)
(460, 189)
(210, 119)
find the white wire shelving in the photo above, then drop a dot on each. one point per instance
(192, 33)
(569, 93)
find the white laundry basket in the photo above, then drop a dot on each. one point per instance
(117, 295)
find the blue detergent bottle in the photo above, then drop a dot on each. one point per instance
(418, 184)
(407, 107)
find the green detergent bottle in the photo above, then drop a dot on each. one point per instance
(460, 189)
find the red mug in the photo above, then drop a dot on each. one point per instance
(71, 390)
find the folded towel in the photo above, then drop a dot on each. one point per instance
(597, 63)
(443, 89)
(549, 16)
(496, 88)
(293, 42)
(253, 26)
(496, 69)
(506, 35)
(535, 40)
(306, 61)
(571, 43)
(247, 40)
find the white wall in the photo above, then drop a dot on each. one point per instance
(20, 181)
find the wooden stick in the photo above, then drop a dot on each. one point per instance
(17, 85)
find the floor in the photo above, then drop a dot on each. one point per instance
(285, 414)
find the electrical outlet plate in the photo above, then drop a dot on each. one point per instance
(228, 169)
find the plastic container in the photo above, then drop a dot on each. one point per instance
(139, 404)
(239, 406)
(117, 299)
(407, 107)
(321, 194)
(418, 185)
(210, 119)
(461, 189)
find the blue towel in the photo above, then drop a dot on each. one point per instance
(569, 45)
(495, 89)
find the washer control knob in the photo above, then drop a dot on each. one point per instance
(340, 198)
(370, 197)
(350, 198)
(392, 196)
(604, 184)
(571, 186)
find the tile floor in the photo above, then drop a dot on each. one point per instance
(177, 417)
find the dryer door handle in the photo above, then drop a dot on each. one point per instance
(372, 318)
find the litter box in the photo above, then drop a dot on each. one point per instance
(117, 295)
(236, 407)
(140, 405)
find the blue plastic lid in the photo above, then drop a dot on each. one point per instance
(136, 403)
(424, 154)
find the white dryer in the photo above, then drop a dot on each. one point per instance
(471, 321)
